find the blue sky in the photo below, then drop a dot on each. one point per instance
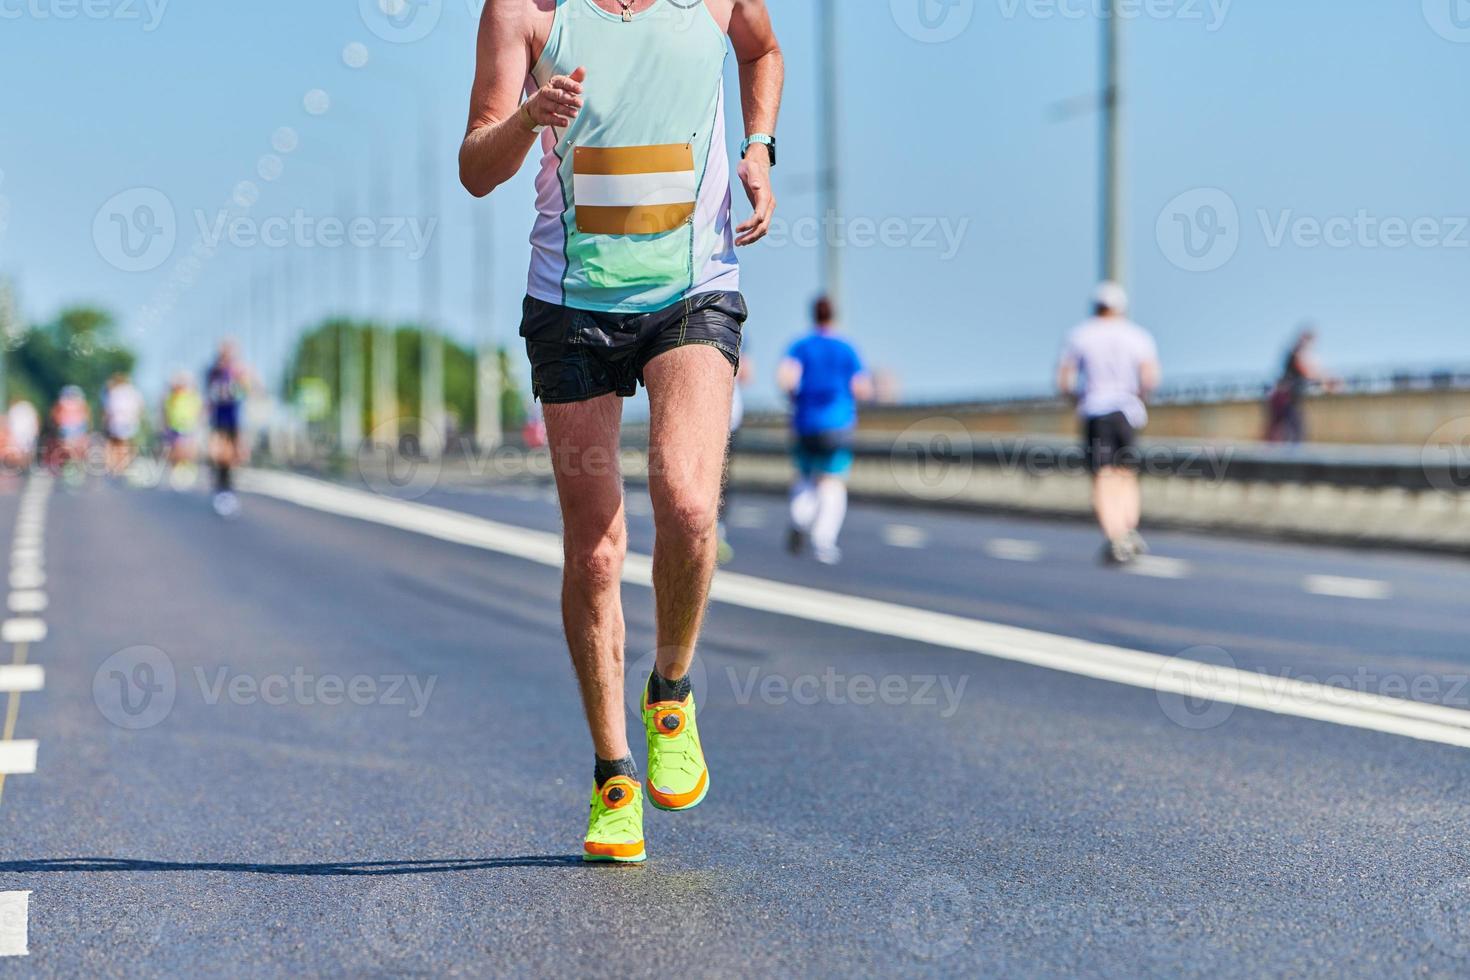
(1315, 152)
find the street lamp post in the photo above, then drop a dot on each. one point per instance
(488, 422)
(1111, 190)
(829, 206)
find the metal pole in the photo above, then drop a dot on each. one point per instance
(487, 355)
(431, 356)
(349, 358)
(1112, 167)
(829, 184)
(385, 354)
(7, 331)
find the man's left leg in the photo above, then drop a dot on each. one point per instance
(689, 393)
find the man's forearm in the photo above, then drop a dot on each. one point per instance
(761, 81)
(491, 155)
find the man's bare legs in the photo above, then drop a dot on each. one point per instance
(1116, 499)
(583, 438)
(689, 393)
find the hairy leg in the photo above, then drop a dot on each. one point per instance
(584, 455)
(689, 393)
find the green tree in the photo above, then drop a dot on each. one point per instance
(79, 347)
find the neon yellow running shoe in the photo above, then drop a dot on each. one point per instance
(678, 779)
(615, 825)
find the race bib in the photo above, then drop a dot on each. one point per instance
(633, 190)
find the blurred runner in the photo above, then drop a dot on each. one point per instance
(182, 408)
(1286, 405)
(634, 280)
(226, 385)
(24, 424)
(71, 419)
(1109, 365)
(122, 418)
(743, 375)
(824, 377)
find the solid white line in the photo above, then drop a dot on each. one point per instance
(22, 630)
(27, 601)
(18, 757)
(15, 917)
(1347, 588)
(1009, 549)
(905, 536)
(21, 678)
(1155, 567)
(1302, 699)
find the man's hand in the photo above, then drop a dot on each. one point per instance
(558, 101)
(755, 174)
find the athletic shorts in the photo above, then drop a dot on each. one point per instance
(823, 454)
(1111, 441)
(577, 355)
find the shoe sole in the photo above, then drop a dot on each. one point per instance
(607, 859)
(677, 809)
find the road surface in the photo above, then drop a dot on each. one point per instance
(305, 742)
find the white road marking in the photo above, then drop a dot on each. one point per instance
(27, 601)
(749, 518)
(1347, 588)
(1135, 668)
(20, 678)
(25, 556)
(23, 629)
(18, 757)
(27, 578)
(905, 536)
(15, 917)
(1156, 567)
(1009, 549)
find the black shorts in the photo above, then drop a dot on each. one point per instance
(577, 355)
(1111, 441)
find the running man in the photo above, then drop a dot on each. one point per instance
(226, 385)
(24, 424)
(71, 418)
(182, 408)
(824, 377)
(122, 418)
(1109, 366)
(633, 280)
(1288, 399)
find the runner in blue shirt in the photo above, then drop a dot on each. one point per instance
(824, 377)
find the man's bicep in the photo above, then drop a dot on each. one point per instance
(751, 33)
(502, 61)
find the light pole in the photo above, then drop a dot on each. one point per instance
(487, 356)
(349, 354)
(1111, 190)
(829, 199)
(431, 350)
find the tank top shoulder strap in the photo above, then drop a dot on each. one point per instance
(546, 61)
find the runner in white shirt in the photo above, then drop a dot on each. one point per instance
(24, 423)
(1109, 365)
(122, 417)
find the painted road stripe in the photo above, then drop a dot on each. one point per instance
(27, 578)
(1136, 668)
(18, 757)
(25, 556)
(22, 629)
(1009, 549)
(749, 518)
(27, 601)
(15, 917)
(1155, 567)
(905, 536)
(1347, 588)
(21, 678)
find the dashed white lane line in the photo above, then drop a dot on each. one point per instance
(27, 578)
(18, 757)
(23, 629)
(1010, 549)
(25, 556)
(1154, 566)
(22, 678)
(27, 601)
(1347, 588)
(748, 518)
(1135, 668)
(15, 917)
(904, 536)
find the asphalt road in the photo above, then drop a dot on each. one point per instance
(307, 744)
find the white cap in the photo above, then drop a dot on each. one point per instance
(1111, 296)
